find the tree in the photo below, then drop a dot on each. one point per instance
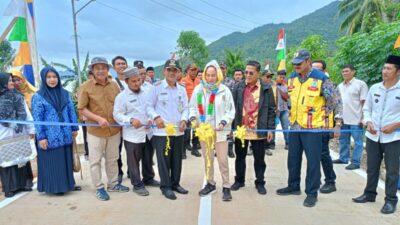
(362, 15)
(192, 47)
(313, 43)
(368, 51)
(6, 55)
(233, 61)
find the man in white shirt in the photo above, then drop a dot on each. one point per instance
(353, 92)
(168, 104)
(382, 117)
(119, 64)
(130, 108)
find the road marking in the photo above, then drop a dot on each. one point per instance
(205, 209)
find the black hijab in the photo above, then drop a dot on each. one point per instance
(58, 97)
(11, 104)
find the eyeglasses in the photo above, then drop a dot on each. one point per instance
(193, 69)
(249, 73)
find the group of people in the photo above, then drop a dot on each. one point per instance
(161, 117)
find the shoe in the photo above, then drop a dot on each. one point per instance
(261, 189)
(27, 189)
(363, 199)
(102, 194)
(169, 194)
(327, 188)
(152, 183)
(208, 189)
(141, 191)
(288, 191)
(59, 194)
(189, 148)
(352, 167)
(196, 146)
(286, 147)
(236, 186)
(9, 194)
(268, 152)
(77, 188)
(310, 201)
(184, 155)
(388, 208)
(180, 190)
(338, 161)
(196, 153)
(226, 194)
(118, 188)
(120, 176)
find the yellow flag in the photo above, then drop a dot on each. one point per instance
(397, 44)
(24, 56)
(282, 65)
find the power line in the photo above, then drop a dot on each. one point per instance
(226, 11)
(212, 17)
(194, 17)
(139, 18)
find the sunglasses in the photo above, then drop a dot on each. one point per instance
(249, 73)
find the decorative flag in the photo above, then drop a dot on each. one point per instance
(23, 31)
(397, 44)
(281, 48)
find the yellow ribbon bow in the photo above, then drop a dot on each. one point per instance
(240, 134)
(170, 131)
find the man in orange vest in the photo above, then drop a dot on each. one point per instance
(190, 81)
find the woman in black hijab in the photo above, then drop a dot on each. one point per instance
(13, 178)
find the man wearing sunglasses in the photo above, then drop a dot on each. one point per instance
(255, 110)
(312, 95)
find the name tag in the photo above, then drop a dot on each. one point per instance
(132, 101)
(377, 95)
(397, 97)
(163, 93)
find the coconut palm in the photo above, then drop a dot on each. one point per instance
(359, 14)
(233, 61)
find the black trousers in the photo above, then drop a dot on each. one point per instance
(195, 139)
(259, 160)
(326, 160)
(375, 153)
(169, 166)
(311, 144)
(85, 143)
(120, 172)
(147, 165)
(134, 154)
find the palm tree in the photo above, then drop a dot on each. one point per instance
(233, 60)
(359, 14)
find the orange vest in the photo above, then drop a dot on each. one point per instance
(189, 85)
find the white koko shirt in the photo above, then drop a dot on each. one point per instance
(382, 108)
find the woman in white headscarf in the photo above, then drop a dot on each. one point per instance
(212, 103)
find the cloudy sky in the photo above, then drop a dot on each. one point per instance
(148, 29)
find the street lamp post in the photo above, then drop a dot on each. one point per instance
(74, 13)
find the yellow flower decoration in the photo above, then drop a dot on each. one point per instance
(170, 131)
(240, 134)
(206, 134)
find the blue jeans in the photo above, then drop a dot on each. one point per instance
(284, 119)
(345, 144)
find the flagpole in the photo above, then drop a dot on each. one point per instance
(284, 47)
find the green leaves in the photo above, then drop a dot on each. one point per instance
(368, 51)
(191, 47)
(6, 55)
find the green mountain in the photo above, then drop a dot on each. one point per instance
(260, 42)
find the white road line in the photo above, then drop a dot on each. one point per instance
(205, 209)
(8, 201)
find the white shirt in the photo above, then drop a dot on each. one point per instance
(122, 82)
(9, 132)
(170, 103)
(382, 108)
(353, 92)
(130, 105)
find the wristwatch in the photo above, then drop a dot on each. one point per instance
(338, 124)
